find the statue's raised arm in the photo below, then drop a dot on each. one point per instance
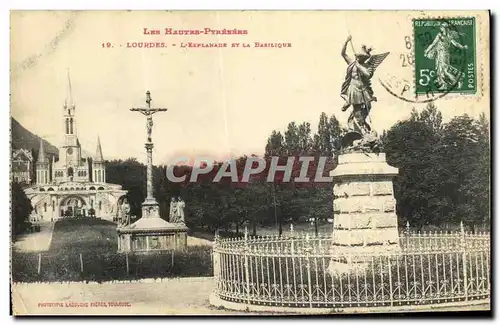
(343, 53)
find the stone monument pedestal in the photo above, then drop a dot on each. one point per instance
(151, 232)
(365, 222)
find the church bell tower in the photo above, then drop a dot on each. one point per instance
(71, 146)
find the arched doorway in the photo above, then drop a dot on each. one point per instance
(73, 206)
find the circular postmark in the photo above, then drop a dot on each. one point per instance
(439, 60)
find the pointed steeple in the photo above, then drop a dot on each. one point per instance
(41, 153)
(68, 102)
(98, 153)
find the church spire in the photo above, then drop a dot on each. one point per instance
(41, 153)
(98, 153)
(68, 102)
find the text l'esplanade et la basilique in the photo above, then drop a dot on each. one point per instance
(201, 31)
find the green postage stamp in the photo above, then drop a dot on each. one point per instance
(445, 55)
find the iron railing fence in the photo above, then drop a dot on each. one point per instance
(293, 271)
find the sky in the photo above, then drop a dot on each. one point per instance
(221, 101)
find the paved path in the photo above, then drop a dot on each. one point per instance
(194, 241)
(181, 296)
(37, 241)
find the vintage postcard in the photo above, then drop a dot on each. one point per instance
(250, 162)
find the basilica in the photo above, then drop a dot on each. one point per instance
(73, 186)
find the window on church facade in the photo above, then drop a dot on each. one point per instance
(45, 207)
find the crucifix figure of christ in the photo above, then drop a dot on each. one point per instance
(148, 112)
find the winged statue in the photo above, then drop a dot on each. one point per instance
(356, 89)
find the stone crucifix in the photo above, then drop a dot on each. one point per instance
(148, 112)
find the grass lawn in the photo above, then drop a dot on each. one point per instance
(86, 249)
(77, 235)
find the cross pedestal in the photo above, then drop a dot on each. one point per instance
(150, 207)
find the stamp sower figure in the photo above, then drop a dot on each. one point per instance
(356, 89)
(439, 51)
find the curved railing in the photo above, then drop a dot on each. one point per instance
(293, 271)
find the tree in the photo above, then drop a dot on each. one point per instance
(292, 139)
(21, 209)
(305, 142)
(466, 145)
(412, 147)
(327, 139)
(430, 116)
(443, 168)
(275, 145)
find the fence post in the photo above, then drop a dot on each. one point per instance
(81, 263)
(247, 274)
(407, 234)
(307, 250)
(39, 262)
(216, 261)
(391, 296)
(463, 245)
(126, 262)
